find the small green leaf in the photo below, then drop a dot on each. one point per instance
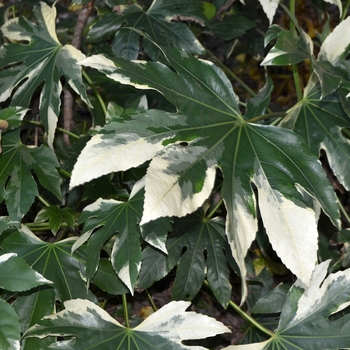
(110, 217)
(90, 325)
(209, 10)
(231, 26)
(272, 33)
(272, 302)
(205, 257)
(289, 49)
(17, 184)
(56, 216)
(13, 116)
(257, 105)
(17, 276)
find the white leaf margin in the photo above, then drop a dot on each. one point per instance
(270, 7)
(172, 321)
(336, 43)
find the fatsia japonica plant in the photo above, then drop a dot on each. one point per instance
(150, 164)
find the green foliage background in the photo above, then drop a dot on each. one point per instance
(207, 164)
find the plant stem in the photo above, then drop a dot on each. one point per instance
(230, 73)
(33, 122)
(250, 319)
(66, 132)
(210, 215)
(246, 316)
(98, 95)
(294, 66)
(154, 307)
(64, 173)
(125, 309)
(267, 116)
(43, 201)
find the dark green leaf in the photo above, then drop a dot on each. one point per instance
(10, 329)
(206, 247)
(211, 133)
(106, 279)
(320, 123)
(289, 49)
(231, 27)
(17, 185)
(157, 21)
(52, 260)
(41, 60)
(108, 218)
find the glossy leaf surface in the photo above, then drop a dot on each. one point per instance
(157, 21)
(54, 261)
(10, 329)
(17, 185)
(16, 275)
(107, 218)
(91, 325)
(42, 59)
(319, 304)
(320, 123)
(209, 132)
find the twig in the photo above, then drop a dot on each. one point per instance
(76, 42)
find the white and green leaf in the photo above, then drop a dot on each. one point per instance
(41, 60)
(16, 275)
(89, 325)
(209, 133)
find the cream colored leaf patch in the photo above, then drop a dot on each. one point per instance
(292, 229)
(336, 43)
(103, 155)
(241, 228)
(269, 7)
(166, 328)
(175, 323)
(106, 65)
(176, 182)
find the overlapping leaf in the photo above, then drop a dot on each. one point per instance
(320, 123)
(10, 329)
(292, 48)
(205, 245)
(54, 261)
(17, 185)
(17, 276)
(41, 60)
(311, 317)
(157, 21)
(92, 326)
(208, 132)
(110, 217)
